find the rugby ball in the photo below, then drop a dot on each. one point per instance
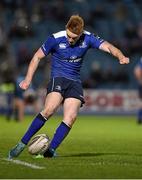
(38, 144)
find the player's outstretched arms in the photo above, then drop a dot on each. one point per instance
(31, 69)
(107, 47)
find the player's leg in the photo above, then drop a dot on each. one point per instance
(16, 107)
(53, 100)
(71, 107)
(21, 109)
(19, 104)
(9, 112)
(139, 116)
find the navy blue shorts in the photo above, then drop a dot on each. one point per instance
(68, 88)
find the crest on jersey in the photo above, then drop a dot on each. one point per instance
(98, 38)
(83, 45)
(62, 46)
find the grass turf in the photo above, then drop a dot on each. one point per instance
(97, 147)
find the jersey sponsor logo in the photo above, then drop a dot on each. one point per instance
(62, 45)
(74, 58)
(83, 45)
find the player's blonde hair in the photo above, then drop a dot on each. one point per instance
(75, 24)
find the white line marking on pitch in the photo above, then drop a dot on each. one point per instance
(33, 166)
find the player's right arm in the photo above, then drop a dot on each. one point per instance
(97, 42)
(31, 69)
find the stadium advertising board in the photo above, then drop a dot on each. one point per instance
(111, 101)
(96, 102)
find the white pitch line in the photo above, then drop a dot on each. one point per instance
(33, 166)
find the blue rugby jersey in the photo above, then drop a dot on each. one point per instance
(67, 59)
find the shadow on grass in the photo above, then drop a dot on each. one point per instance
(100, 154)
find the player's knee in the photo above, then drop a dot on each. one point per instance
(70, 119)
(48, 112)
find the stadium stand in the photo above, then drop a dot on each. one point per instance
(25, 24)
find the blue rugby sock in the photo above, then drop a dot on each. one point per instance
(61, 132)
(37, 123)
(140, 115)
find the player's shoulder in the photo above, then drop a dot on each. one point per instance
(87, 32)
(87, 35)
(90, 34)
(59, 34)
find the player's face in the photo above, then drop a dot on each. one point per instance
(72, 38)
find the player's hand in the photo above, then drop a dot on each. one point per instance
(24, 84)
(124, 60)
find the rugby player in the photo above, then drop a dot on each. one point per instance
(67, 48)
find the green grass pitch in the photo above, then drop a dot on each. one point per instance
(97, 147)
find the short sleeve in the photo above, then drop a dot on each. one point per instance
(95, 41)
(48, 45)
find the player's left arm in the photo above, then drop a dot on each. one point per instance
(108, 47)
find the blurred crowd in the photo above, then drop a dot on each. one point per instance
(24, 25)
